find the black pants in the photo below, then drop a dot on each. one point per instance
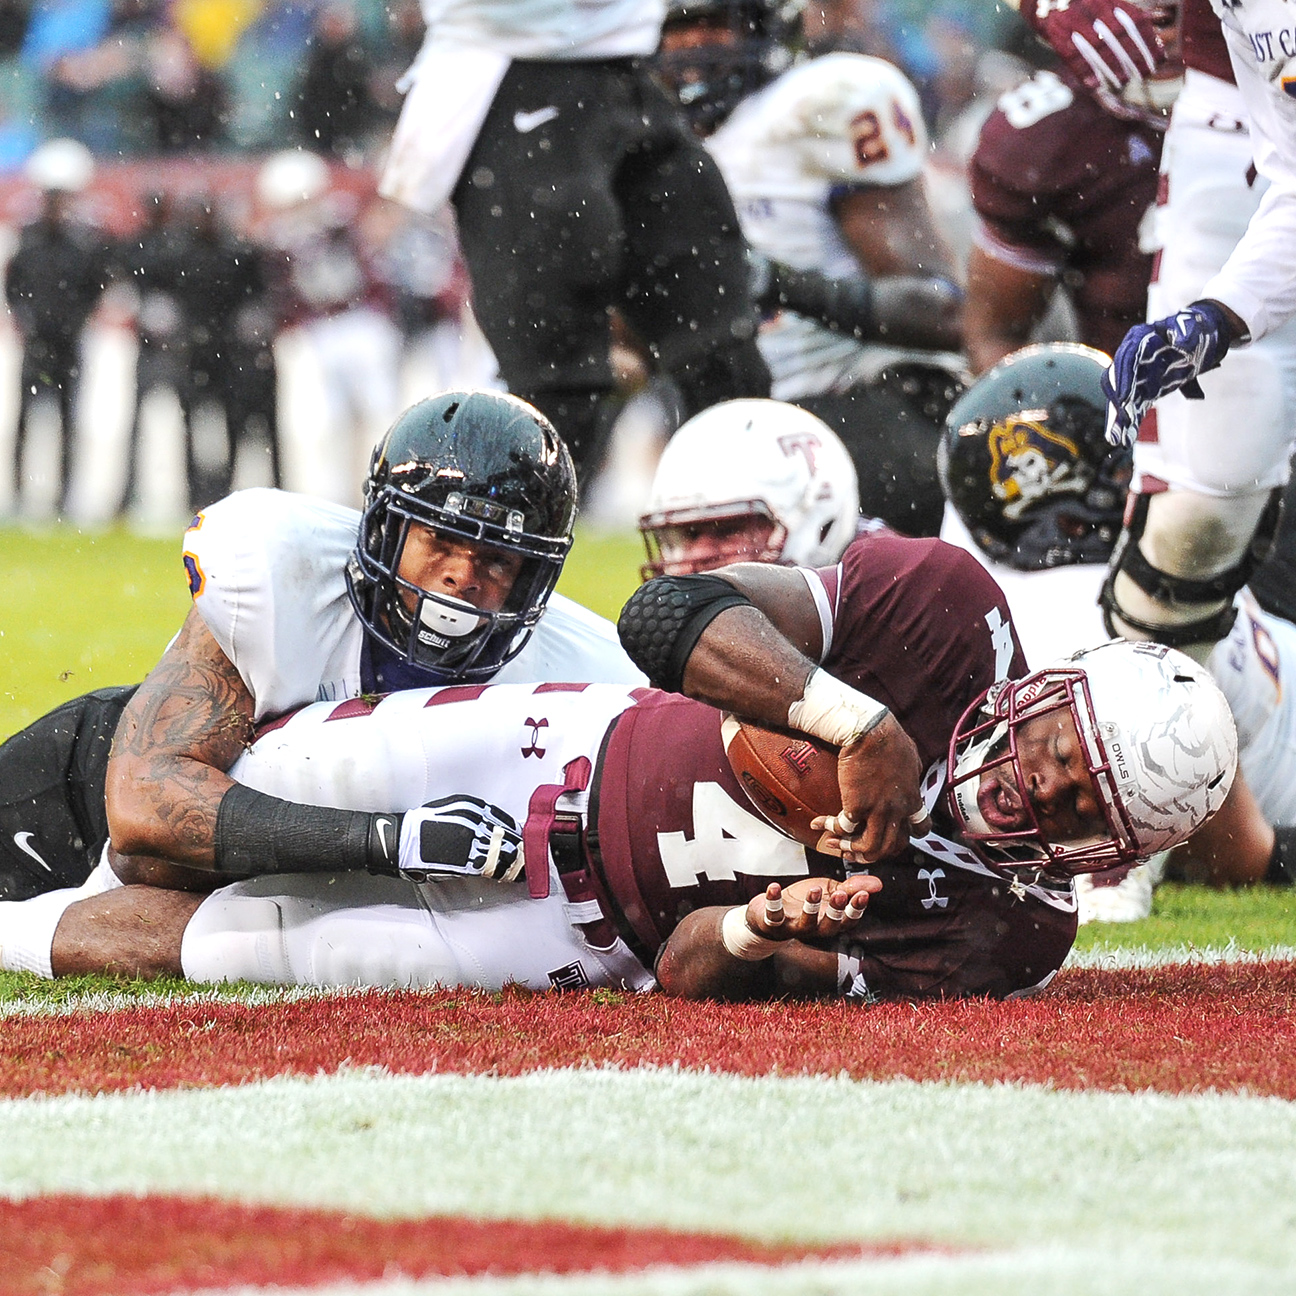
(51, 366)
(585, 192)
(52, 820)
(891, 428)
(1274, 581)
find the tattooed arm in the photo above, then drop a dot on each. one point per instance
(176, 819)
(183, 729)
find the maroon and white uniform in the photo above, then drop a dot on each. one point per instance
(1061, 187)
(916, 623)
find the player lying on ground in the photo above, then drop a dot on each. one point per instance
(640, 848)
(447, 577)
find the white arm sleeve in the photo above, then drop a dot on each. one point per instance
(266, 570)
(1258, 281)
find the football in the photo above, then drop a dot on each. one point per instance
(790, 778)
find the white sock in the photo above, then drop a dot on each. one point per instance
(101, 879)
(27, 930)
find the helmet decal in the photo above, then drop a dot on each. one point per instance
(1029, 461)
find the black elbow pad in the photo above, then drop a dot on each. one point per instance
(663, 620)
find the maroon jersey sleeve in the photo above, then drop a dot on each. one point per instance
(921, 626)
(1204, 47)
(1062, 186)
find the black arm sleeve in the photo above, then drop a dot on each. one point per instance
(256, 833)
(663, 620)
(845, 305)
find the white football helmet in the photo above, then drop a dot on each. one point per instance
(1155, 734)
(763, 464)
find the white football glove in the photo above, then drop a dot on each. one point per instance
(459, 836)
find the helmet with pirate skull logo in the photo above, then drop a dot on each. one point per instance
(1025, 462)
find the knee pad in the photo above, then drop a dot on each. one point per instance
(236, 937)
(1180, 560)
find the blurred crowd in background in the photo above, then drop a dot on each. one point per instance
(249, 311)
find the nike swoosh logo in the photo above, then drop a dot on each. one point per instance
(525, 122)
(382, 825)
(22, 840)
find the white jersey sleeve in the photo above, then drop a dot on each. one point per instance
(572, 643)
(266, 573)
(847, 119)
(1258, 281)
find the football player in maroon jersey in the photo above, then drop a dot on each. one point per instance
(1063, 179)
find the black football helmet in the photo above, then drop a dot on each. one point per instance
(1025, 462)
(482, 466)
(740, 45)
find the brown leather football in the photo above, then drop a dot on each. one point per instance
(790, 778)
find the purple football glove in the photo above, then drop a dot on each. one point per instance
(1156, 359)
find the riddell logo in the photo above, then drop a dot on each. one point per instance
(798, 755)
(763, 797)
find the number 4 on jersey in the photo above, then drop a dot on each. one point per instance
(727, 840)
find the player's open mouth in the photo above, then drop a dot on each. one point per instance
(1000, 804)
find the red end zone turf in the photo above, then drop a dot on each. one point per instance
(138, 1246)
(1175, 1029)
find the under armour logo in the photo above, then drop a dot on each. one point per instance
(534, 748)
(932, 901)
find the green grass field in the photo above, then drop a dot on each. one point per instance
(83, 610)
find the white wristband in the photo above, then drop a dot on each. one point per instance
(833, 711)
(740, 940)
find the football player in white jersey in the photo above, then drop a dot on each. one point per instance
(825, 161)
(447, 576)
(1039, 499)
(750, 481)
(1209, 472)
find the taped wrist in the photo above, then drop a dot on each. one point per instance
(833, 711)
(256, 834)
(739, 939)
(663, 620)
(1282, 863)
(844, 305)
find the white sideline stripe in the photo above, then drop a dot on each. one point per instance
(1127, 956)
(111, 1001)
(1057, 1271)
(1203, 1179)
(1103, 956)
